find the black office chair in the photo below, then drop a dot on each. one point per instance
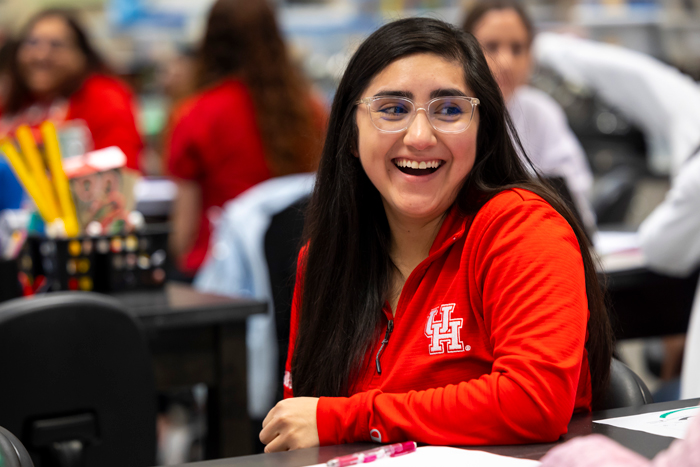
(282, 244)
(77, 384)
(626, 388)
(12, 451)
(613, 193)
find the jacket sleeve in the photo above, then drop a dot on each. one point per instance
(528, 283)
(669, 236)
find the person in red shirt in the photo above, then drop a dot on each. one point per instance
(252, 119)
(55, 74)
(444, 296)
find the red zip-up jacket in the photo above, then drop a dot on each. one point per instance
(487, 345)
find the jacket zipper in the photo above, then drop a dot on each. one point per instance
(389, 328)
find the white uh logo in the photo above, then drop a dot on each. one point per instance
(444, 331)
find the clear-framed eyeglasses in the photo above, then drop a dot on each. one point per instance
(446, 114)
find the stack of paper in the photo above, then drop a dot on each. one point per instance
(671, 423)
(438, 455)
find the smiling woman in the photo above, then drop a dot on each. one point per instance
(444, 296)
(55, 74)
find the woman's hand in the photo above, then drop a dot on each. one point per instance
(291, 424)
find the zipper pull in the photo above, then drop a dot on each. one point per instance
(389, 329)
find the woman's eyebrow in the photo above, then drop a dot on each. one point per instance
(406, 94)
(451, 92)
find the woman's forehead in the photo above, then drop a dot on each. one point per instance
(54, 25)
(504, 25)
(419, 75)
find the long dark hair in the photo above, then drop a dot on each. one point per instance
(242, 39)
(19, 95)
(480, 8)
(347, 264)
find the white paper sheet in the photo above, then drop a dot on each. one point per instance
(672, 423)
(618, 251)
(607, 242)
(438, 455)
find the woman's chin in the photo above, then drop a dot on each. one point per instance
(417, 209)
(41, 88)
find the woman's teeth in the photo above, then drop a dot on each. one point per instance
(417, 165)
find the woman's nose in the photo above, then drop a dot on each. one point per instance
(41, 50)
(505, 61)
(420, 134)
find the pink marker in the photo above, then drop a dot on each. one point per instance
(390, 450)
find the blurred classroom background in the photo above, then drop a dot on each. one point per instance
(150, 44)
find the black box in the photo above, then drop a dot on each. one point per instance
(101, 264)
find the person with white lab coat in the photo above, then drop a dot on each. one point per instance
(670, 241)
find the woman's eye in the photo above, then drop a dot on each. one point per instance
(394, 109)
(449, 110)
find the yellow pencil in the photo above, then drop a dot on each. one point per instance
(36, 165)
(25, 177)
(60, 182)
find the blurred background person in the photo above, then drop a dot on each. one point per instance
(177, 76)
(254, 117)
(176, 79)
(670, 241)
(55, 73)
(506, 34)
(664, 103)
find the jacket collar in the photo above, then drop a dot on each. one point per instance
(454, 227)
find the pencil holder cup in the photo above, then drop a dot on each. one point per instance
(102, 264)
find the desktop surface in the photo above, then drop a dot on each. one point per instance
(643, 443)
(179, 304)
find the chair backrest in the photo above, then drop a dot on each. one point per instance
(613, 195)
(282, 244)
(77, 380)
(12, 451)
(626, 388)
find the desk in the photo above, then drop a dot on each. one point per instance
(644, 303)
(647, 304)
(195, 338)
(644, 443)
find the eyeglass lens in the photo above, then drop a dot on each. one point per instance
(53, 44)
(449, 114)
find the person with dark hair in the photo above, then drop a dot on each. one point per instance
(252, 118)
(55, 74)
(506, 34)
(444, 295)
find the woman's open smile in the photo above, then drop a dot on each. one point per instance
(418, 168)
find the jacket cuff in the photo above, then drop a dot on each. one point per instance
(338, 421)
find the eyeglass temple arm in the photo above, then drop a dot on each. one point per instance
(367, 100)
